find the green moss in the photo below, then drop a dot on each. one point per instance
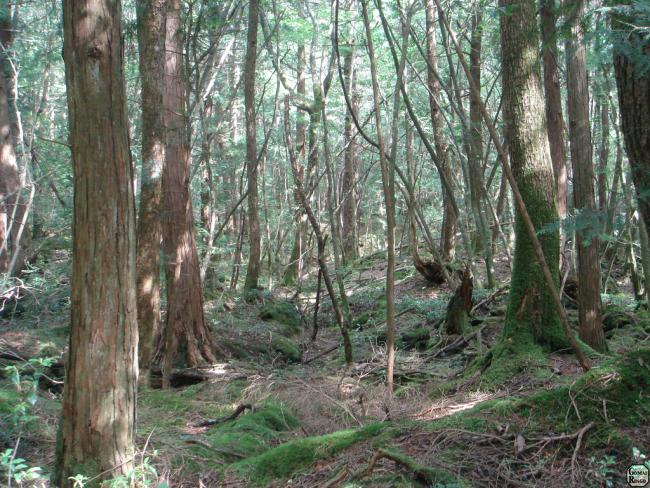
(283, 312)
(288, 458)
(9, 398)
(622, 384)
(507, 359)
(287, 349)
(417, 338)
(251, 433)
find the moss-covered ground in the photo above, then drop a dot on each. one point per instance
(535, 420)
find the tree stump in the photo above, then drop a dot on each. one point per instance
(460, 305)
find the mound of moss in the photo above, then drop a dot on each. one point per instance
(284, 313)
(250, 434)
(294, 456)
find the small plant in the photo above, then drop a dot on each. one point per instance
(606, 469)
(15, 469)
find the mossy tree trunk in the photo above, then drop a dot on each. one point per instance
(531, 314)
(96, 436)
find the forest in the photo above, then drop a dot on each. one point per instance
(324, 243)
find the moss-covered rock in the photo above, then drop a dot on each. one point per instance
(286, 348)
(284, 313)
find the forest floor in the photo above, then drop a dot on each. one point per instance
(286, 411)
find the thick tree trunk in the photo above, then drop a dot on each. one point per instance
(554, 120)
(96, 436)
(151, 41)
(633, 83)
(254, 255)
(590, 325)
(188, 341)
(449, 218)
(531, 314)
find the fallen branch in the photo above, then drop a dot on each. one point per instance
(238, 411)
(420, 473)
(489, 298)
(321, 354)
(460, 343)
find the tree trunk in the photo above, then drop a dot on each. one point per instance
(554, 120)
(531, 314)
(475, 155)
(590, 325)
(633, 84)
(253, 269)
(603, 154)
(151, 41)
(188, 341)
(351, 165)
(294, 268)
(449, 218)
(97, 431)
(388, 184)
(11, 209)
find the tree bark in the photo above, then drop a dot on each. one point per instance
(590, 325)
(449, 218)
(351, 165)
(11, 209)
(188, 341)
(554, 119)
(151, 42)
(97, 431)
(531, 314)
(633, 84)
(475, 155)
(388, 184)
(253, 269)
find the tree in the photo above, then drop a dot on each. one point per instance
(187, 338)
(590, 325)
(253, 270)
(631, 53)
(351, 164)
(388, 185)
(554, 118)
(531, 315)
(449, 219)
(99, 401)
(151, 42)
(11, 209)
